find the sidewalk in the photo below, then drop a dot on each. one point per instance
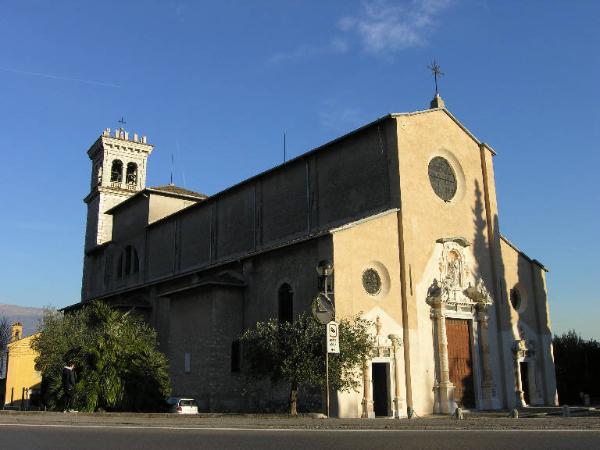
(475, 421)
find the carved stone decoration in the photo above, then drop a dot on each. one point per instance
(454, 266)
(382, 344)
(456, 284)
(389, 349)
(479, 294)
(460, 293)
(529, 344)
(367, 402)
(524, 351)
(463, 242)
(519, 348)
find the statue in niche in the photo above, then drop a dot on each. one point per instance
(453, 270)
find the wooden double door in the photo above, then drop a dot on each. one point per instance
(460, 361)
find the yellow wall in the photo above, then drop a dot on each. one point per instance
(427, 218)
(21, 372)
(372, 243)
(368, 244)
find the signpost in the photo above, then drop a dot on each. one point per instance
(322, 308)
(333, 337)
(324, 311)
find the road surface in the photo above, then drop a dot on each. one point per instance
(131, 437)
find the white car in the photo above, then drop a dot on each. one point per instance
(180, 405)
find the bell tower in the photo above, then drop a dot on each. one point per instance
(118, 172)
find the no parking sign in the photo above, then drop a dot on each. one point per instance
(333, 337)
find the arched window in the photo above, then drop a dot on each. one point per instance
(116, 171)
(135, 262)
(107, 269)
(120, 268)
(286, 303)
(96, 175)
(129, 262)
(131, 176)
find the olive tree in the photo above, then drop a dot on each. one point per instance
(294, 353)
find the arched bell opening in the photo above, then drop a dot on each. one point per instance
(131, 176)
(116, 173)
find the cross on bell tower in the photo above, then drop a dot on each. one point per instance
(437, 101)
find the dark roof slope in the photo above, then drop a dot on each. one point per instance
(171, 188)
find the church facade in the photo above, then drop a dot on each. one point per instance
(405, 209)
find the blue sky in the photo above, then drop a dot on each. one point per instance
(218, 83)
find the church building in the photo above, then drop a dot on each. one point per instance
(405, 209)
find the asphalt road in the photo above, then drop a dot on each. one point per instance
(29, 436)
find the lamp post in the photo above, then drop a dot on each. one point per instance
(325, 270)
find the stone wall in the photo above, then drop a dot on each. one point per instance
(348, 179)
(202, 318)
(524, 292)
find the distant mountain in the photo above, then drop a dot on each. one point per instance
(27, 315)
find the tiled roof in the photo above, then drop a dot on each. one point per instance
(177, 190)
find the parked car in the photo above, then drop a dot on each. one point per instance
(180, 405)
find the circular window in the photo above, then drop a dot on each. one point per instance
(371, 281)
(442, 178)
(515, 299)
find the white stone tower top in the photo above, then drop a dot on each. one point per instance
(119, 164)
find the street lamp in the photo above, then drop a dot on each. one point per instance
(325, 270)
(325, 267)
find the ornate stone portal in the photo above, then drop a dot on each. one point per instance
(458, 294)
(524, 352)
(387, 350)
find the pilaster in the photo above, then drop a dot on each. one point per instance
(488, 400)
(398, 402)
(444, 387)
(367, 401)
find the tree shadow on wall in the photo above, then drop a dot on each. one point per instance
(531, 318)
(486, 247)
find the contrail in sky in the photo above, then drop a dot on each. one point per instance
(56, 77)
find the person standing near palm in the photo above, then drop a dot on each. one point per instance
(68, 384)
